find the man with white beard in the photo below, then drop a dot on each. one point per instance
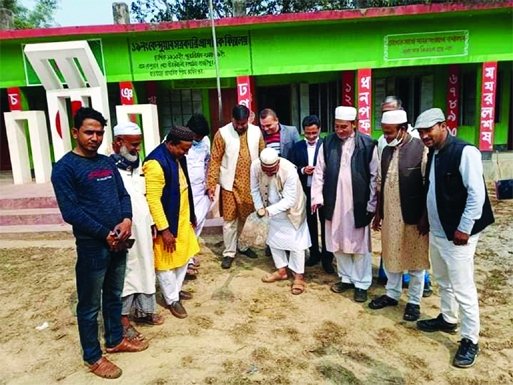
(139, 289)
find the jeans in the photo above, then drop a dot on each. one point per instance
(100, 274)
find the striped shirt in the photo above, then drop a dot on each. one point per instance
(273, 141)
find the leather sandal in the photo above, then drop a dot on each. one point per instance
(276, 276)
(152, 319)
(105, 369)
(298, 287)
(128, 346)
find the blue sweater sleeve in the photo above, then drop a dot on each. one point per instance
(72, 212)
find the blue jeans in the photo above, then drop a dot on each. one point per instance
(100, 274)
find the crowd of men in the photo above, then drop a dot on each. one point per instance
(137, 222)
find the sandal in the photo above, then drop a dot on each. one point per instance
(276, 276)
(191, 273)
(195, 262)
(132, 334)
(105, 369)
(152, 319)
(298, 287)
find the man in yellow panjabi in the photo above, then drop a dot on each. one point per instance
(171, 206)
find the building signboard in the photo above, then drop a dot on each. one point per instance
(191, 57)
(426, 45)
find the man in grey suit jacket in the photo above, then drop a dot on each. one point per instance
(278, 136)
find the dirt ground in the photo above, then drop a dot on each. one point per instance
(243, 331)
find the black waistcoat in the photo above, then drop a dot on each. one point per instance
(411, 182)
(451, 194)
(360, 175)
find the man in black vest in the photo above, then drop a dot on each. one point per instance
(344, 183)
(401, 204)
(304, 156)
(458, 209)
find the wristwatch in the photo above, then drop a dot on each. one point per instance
(261, 212)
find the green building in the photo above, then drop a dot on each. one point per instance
(299, 64)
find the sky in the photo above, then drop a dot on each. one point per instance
(82, 12)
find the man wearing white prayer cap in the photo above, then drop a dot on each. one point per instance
(139, 288)
(400, 214)
(344, 182)
(277, 194)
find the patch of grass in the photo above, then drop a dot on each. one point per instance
(496, 280)
(387, 337)
(498, 345)
(414, 362)
(234, 367)
(360, 357)
(241, 330)
(203, 321)
(337, 374)
(261, 354)
(329, 334)
(187, 360)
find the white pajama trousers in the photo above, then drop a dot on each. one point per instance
(453, 268)
(355, 269)
(171, 282)
(394, 285)
(231, 233)
(295, 261)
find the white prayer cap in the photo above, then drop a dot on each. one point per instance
(127, 128)
(345, 113)
(394, 117)
(269, 156)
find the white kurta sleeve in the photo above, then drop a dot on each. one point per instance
(318, 179)
(288, 195)
(255, 185)
(373, 168)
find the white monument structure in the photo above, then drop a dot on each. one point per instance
(83, 84)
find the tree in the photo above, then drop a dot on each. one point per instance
(41, 16)
(171, 10)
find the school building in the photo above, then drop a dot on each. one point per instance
(455, 56)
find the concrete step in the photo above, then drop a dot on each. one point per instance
(49, 230)
(41, 216)
(28, 203)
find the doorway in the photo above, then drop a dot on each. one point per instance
(277, 98)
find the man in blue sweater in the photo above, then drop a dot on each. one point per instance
(93, 199)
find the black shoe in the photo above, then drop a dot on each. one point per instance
(466, 355)
(340, 287)
(428, 290)
(381, 302)
(312, 261)
(227, 262)
(328, 268)
(249, 253)
(185, 295)
(178, 310)
(437, 324)
(411, 312)
(360, 295)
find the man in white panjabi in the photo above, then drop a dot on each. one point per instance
(139, 288)
(198, 159)
(277, 193)
(344, 182)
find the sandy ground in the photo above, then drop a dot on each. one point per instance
(243, 331)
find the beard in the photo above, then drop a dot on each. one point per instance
(125, 154)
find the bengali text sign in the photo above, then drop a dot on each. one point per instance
(189, 58)
(426, 45)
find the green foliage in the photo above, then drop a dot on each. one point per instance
(155, 11)
(41, 16)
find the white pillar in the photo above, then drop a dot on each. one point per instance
(18, 146)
